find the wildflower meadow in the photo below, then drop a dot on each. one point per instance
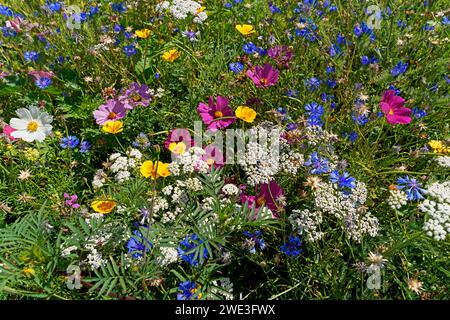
(224, 149)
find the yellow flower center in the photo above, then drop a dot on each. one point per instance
(391, 112)
(136, 97)
(32, 126)
(263, 81)
(218, 114)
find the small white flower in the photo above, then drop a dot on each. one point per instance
(32, 124)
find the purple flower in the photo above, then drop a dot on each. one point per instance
(282, 55)
(85, 146)
(216, 115)
(255, 241)
(412, 188)
(43, 83)
(110, 111)
(318, 165)
(188, 291)
(263, 76)
(71, 201)
(129, 50)
(271, 195)
(136, 95)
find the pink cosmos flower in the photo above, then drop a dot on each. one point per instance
(7, 130)
(218, 115)
(213, 156)
(179, 135)
(110, 111)
(136, 95)
(37, 75)
(263, 76)
(392, 107)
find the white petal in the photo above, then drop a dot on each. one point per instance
(40, 135)
(18, 124)
(35, 112)
(23, 134)
(24, 114)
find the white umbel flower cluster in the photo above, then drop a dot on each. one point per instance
(267, 154)
(307, 223)
(397, 199)
(357, 221)
(443, 161)
(168, 255)
(181, 9)
(437, 207)
(230, 190)
(121, 165)
(189, 162)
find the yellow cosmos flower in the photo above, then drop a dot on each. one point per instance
(155, 170)
(171, 55)
(143, 33)
(103, 206)
(177, 147)
(113, 127)
(245, 29)
(245, 113)
(438, 146)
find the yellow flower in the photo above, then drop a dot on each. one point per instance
(103, 206)
(177, 147)
(143, 33)
(155, 170)
(9, 146)
(245, 29)
(113, 127)
(58, 134)
(245, 113)
(201, 9)
(171, 55)
(28, 271)
(438, 146)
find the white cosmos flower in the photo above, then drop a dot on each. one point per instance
(32, 124)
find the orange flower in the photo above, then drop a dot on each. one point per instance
(171, 55)
(103, 206)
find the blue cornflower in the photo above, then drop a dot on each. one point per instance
(30, 56)
(129, 50)
(141, 141)
(249, 48)
(136, 245)
(418, 113)
(399, 68)
(340, 39)
(365, 60)
(357, 30)
(397, 91)
(118, 28)
(6, 11)
(273, 8)
(412, 188)
(53, 6)
(236, 67)
(318, 165)
(254, 241)
(401, 24)
(291, 93)
(93, 10)
(428, 27)
(188, 291)
(69, 142)
(445, 21)
(314, 109)
(330, 69)
(187, 250)
(344, 181)
(292, 246)
(8, 32)
(85, 146)
(361, 119)
(228, 5)
(353, 136)
(119, 7)
(312, 84)
(157, 75)
(335, 50)
(127, 35)
(314, 121)
(43, 82)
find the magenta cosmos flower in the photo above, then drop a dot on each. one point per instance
(392, 107)
(270, 195)
(263, 76)
(136, 95)
(110, 111)
(213, 156)
(37, 75)
(179, 135)
(216, 115)
(8, 130)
